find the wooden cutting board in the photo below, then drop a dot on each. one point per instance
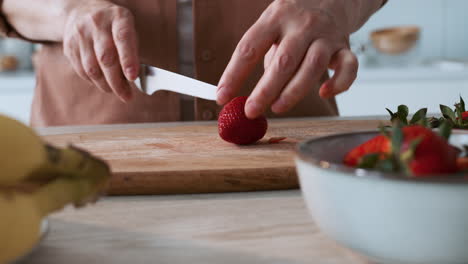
(193, 159)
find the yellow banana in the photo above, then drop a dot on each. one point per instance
(25, 157)
(36, 180)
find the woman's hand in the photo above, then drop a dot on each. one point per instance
(300, 40)
(100, 40)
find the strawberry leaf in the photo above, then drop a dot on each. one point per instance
(384, 131)
(386, 165)
(419, 117)
(459, 117)
(445, 129)
(393, 116)
(462, 104)
(402, 114)
(435, 122)
(390, 112)
(369, 161)
(448, 113)
(397, 138)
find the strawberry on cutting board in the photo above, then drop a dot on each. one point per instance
(235, 127)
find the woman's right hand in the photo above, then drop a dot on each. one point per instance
(100, 40)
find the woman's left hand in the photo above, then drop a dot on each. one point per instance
(299, 40)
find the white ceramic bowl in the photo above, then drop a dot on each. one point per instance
(388, 218)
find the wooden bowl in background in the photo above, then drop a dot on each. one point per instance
(395, 40)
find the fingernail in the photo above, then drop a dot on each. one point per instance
(325, 91)
(131, 73)
(252, 109)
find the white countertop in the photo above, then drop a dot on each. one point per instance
(442, 72)
(16, 82)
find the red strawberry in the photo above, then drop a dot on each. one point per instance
(465, 115)
(433, 154)
(235, 127)
(462, 164)
(378, 144)
(421, 151)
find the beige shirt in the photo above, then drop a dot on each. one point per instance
(62, 98)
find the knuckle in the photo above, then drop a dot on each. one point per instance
(317, 60)
(307, 21)
(247, 52)
(285, 63)
(107, 58)
(124, 33)
(92, 70)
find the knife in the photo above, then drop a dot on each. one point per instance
(155, 79)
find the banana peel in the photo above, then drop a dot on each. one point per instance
(38, 179)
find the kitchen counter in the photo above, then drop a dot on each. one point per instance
(261, 227)
(254, 227)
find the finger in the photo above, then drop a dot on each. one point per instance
(289, 54)
(106, 53)
(125, 38)
(250, 50)
(269, 56)
(72, 52)
(311, 70)
(91, 65)
(346, 65)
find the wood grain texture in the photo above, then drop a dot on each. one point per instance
(193, 159)
(230, 228)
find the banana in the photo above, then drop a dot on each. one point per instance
(38, 179)
(21, 151)
(25, 157)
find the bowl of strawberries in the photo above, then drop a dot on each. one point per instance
(395, 195)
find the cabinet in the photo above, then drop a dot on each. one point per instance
(417, 87)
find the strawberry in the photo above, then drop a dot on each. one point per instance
(235, 127)
(414, 150)
(378, 144)
(432, 155)
(464, 115)
(462, 163)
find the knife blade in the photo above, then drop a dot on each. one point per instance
(155, 79)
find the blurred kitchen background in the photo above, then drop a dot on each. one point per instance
(420, 59)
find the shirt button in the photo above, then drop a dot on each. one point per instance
(207, 115)
(207, 55)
